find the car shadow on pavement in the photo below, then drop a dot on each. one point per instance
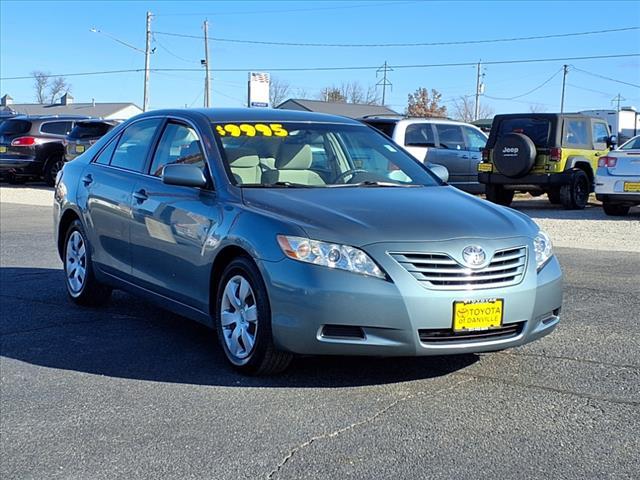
(132, 339)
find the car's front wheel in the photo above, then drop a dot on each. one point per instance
(615, 210)
(498, 194)
(243, 321)
(82, 286)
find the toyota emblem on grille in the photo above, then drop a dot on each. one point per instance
(474, 256)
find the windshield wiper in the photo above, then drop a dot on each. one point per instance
(375, 183)
(278, 185)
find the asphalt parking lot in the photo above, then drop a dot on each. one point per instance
(131, 391)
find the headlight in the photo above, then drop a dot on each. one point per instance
(330, 255)
(543, 248)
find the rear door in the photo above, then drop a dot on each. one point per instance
(451, 151)
(107, 185)
(171, 224)
(419, 138)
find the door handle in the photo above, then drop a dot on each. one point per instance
(87, 179)
(140, 195)
(464, 156)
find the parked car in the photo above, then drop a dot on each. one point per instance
(456, 145)
(618, 178)
(84, 134)
(220, 215)
(550, 153)
(31, 147)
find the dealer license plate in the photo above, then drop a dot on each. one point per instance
(485, 167)
(632, 186)
(477, 315)
(79, 148)
(3, 149)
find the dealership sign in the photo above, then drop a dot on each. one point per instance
(258, 89)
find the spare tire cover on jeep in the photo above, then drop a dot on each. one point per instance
(514, 154)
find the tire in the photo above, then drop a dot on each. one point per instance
(615, 209)
(554, 196)
(51, 168)
(247, 317)
(498, 194)
(575, 195)
(514, 154)
(82, 286)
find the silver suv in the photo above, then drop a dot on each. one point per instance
(456, 145)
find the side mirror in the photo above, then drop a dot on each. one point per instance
(612, 141)
(440, 171)
(184, 174)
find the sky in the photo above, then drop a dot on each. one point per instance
(56, 37)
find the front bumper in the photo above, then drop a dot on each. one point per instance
(543, 179)
(305, 298)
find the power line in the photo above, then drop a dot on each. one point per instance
(415, 44)
(174, 55)
(116, 39)
(530, 91)
(341, 68)
(606, 78)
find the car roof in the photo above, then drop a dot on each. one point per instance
(33, 118)
(409, 120)
(549, 116)
(254, 115)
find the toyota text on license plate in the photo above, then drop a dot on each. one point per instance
(477, 314)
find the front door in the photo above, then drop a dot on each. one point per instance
(172, 224)
(451, 152)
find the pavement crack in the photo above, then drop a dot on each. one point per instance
(618, 401)
(351, 426)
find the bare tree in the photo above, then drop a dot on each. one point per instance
(279, 91)
(350, 92)
(464, 108)
(58, 86)
(40, 82)
(537, 108)
(332, 94)
(421, 104)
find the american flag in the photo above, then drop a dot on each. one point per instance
(259, 77)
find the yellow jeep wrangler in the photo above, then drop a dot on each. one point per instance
(550, 153)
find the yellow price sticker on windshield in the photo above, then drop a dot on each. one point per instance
(251, 130)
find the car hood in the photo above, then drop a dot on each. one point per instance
(362, 216)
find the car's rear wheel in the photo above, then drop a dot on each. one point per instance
(51, 168)
(243, 321)
(575, 194)
(82, 286)
(615, 209)
(498, 194)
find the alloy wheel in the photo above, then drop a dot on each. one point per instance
(239, 317)
(76, 263)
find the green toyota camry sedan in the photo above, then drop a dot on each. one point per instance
(299, 233)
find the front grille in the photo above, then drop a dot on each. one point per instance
(447, 335)
(440, 271)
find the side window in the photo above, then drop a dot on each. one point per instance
(600, 135)
(104, 158)
(576, 133)
(450, 136)
(632, 144)
(178, 144)
(56, 128)
(419, 135)
(133, 147)
(475, 140)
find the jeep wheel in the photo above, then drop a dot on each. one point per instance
(615, 209)
(498, 194)
(575, 194)
(554, 196)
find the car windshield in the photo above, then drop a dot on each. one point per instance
(315, 155)
(537, 129)
(89, 130)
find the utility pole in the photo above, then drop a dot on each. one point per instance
(147, 58)
(565, 70)
(618, 99)
(207, 79)
(383, 81)
(479, 86)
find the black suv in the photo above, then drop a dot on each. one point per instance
(550, 153)
(31, 147)
(85, 134)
